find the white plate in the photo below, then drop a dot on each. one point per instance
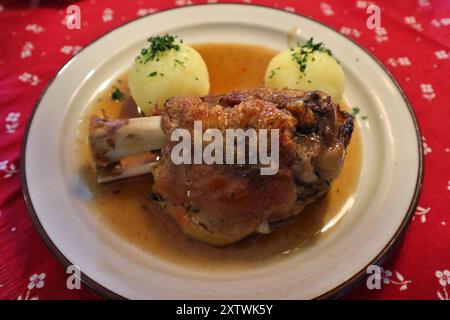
(386, 195)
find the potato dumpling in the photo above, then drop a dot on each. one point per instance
(166, 69)
(306, 67)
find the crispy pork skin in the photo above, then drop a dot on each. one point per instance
(222, 204)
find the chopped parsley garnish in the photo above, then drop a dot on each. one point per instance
(181, 63)
(158, 45)
(196, 78)
(272, 72)
(302, 52)
(355, 111)
(155, 73)
(118, 95)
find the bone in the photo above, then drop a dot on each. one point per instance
(135, 171)
(122, 148)
(112, 140)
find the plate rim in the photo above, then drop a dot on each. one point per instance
(337, 292)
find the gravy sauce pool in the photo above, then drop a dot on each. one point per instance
(124, 206)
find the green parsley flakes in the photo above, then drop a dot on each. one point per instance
(158, 45)
(181, 63)
(355, 111)
(117, 95)
(302, 52)
(155, 73)
(272, 72)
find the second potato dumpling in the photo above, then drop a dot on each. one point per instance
(168, 68)
(306, 67)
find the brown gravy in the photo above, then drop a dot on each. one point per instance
(124, 207)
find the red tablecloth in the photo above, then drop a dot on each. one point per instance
(414, 44)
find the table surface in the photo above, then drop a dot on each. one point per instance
(413, 43)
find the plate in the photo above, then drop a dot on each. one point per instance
(385, 199)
